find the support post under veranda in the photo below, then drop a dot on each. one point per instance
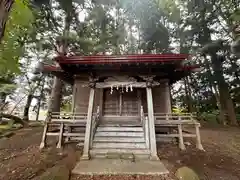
(60, 138)
(44, 136)
(198, 138)
(180, 133)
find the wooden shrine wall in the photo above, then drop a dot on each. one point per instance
(130, 100)
(161, 99)
(81, 97)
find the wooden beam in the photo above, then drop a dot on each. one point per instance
(119, 84)
(185, 122)
(153, 146)
(175, 135)
(87, 140)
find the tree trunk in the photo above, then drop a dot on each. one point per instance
(225, 97)
(56, 96)
(40, 99)
(188, 95)
(5, 7)
(221, 108)
(56, 93)
(221, 119)
(16, 119)
(27, 106)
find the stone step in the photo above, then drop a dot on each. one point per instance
(119, 145)
(104, 151)
(114, 155)
(119, 134)
(120, 139)
(119, 129)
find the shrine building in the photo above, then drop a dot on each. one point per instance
(121, 104)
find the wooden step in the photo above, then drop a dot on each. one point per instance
(119, 124)
(120, 118)
(116, 145)
(119, 134)
(119, 139)
(119, 129)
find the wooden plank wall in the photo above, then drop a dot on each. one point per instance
(82, 97)
(111, 101)
(159, 104)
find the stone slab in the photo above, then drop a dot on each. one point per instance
(119, 167)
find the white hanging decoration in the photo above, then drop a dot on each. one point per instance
(131, 87)
(122, 89)
(126, 88)
(117, 87)
(111, 89)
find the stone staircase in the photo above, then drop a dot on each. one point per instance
(119, 141)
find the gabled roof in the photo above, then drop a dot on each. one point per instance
(169, 66)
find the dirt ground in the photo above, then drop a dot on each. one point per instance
(20, 157)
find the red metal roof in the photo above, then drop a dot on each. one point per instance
(107, 59)
(50, 68)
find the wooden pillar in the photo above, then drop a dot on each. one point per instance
(167, 97)
(87, 139)
(153, 145)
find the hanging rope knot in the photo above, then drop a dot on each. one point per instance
(149, 84)
(92, 84)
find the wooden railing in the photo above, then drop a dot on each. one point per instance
(178, 121)
(67, 117)
(173, 116)
(62, 121)
(145, 124)
(95, 122)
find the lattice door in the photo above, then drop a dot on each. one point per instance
(110, 103)
(130, 104)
